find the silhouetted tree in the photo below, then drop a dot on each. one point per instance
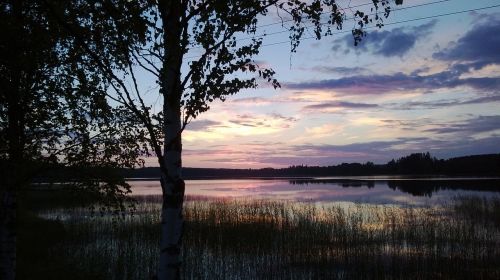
(417, 163)
(54, 112)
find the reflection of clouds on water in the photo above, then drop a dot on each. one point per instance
(221, 189)
(401, 192)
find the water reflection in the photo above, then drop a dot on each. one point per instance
(377, 191)
(428, 188)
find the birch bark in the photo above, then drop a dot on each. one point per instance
(171, 180)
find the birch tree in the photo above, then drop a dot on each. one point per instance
(160, 41)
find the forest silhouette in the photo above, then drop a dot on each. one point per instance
(417, 164)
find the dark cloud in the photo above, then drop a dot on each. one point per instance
(406, 124)
(480, 46)
(229, 159)
(388, 43)
(344, 71)
(202, 125)
(248, 123)
(338, 105)
(461, 129)
(257, 121)
(246, 120)
(284, 118)
(392, 43)
(361, 84)
(419, 105)
(484, 99)
(471, 126)
(379, 84)
(377, 147)
(252, 100)
(437, 104)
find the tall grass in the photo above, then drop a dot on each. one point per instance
(259, 239)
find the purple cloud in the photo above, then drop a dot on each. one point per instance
(380, 84)
(388, 43)
(344, 71)
(406, 124)
(437, 104)
(480, 46)
(477, 48)
(252, 100)
(338, 105)
(471, 126)
(202, 125)
(260, 121)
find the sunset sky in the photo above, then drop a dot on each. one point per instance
(421, 85)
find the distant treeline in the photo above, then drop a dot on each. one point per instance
(414, 164)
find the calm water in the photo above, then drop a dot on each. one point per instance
(377, 190)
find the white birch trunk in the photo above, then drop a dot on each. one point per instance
(173, 196)
(170, 163)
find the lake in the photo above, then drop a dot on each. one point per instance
(327, 237)
(371, 190)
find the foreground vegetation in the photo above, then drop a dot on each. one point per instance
(250, 239)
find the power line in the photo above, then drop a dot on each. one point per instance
(386, 24)
(398, 22)
(283, 21)
(348, 19)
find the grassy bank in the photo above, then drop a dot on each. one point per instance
(248, 239)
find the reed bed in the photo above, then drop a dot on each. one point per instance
(261, 239)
